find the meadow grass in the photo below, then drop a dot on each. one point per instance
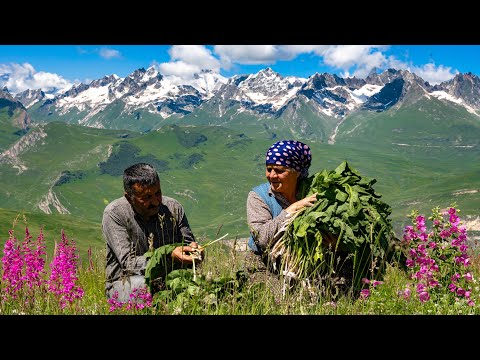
(225, 259)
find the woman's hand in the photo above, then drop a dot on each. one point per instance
(186, 254)
(307, 201)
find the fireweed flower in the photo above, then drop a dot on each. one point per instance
(64, 273)
(12, 262)
(114, 303)
(438, 260)
(365, 293)
(33, 255)
(23, 266)
(139, 299)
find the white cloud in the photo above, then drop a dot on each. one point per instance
(435, 74)
(359, 59)
(186, 60)
(108, 53)
(299, 49)
(248, 54)
(178, 68)
(21, 77)
(351, 60)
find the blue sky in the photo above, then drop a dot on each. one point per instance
(60, 66)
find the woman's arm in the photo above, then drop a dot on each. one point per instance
(260, 221)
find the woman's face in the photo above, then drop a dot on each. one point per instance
(282, 179)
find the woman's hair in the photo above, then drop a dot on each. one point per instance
(290, 153)
(141, 173)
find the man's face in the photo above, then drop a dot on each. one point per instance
(146, 200)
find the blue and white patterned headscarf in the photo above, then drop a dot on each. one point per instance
(292, 154)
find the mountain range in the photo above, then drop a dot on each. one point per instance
(63, 154)
(146, 100)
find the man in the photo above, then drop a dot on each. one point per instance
(140, 217)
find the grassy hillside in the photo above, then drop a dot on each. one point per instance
(9, 131)
(83, 232)
(210, 170)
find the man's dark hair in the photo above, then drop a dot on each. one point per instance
(141, 173)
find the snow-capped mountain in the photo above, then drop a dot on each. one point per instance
(145, 98)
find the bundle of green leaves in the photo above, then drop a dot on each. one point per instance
(349, 210)
(170, 283)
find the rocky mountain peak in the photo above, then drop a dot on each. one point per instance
(465, 86)
(265, 82)
(15, 109)
(383, 78)
(30, 97)
(104, 81)
(325, 80)
(207, 82)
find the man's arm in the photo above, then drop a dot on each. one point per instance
(184, 227)
(121, 238)
(185, 235)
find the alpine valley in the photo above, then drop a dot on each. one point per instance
(62, 155)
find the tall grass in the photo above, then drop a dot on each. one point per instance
(225, 259)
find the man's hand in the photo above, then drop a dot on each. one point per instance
(186, 254)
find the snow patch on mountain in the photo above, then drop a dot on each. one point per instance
(365, 92)
(153, 93)
(87, 99)
(442, 95)
(268, 88)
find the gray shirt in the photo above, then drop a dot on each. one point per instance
(260, 220)
(126, 234)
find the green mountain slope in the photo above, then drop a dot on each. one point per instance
(10, 131)
(210, 168)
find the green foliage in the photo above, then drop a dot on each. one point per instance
(187, 137)
(68, 176)
(176, 286)
(126, 154)
(349, 209)
(159, 263)
(186, 161)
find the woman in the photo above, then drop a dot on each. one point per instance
(269, 204)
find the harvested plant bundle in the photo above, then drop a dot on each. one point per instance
(169, 282)
(347, 209)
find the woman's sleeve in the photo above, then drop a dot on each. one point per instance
(259, 218)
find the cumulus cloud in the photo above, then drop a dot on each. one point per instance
(21, 77)
(250, 54)
(362, 58)
(108, 53)
(187, 60)
(349, 60)
(435, 74)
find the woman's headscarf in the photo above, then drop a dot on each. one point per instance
(292, 154)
